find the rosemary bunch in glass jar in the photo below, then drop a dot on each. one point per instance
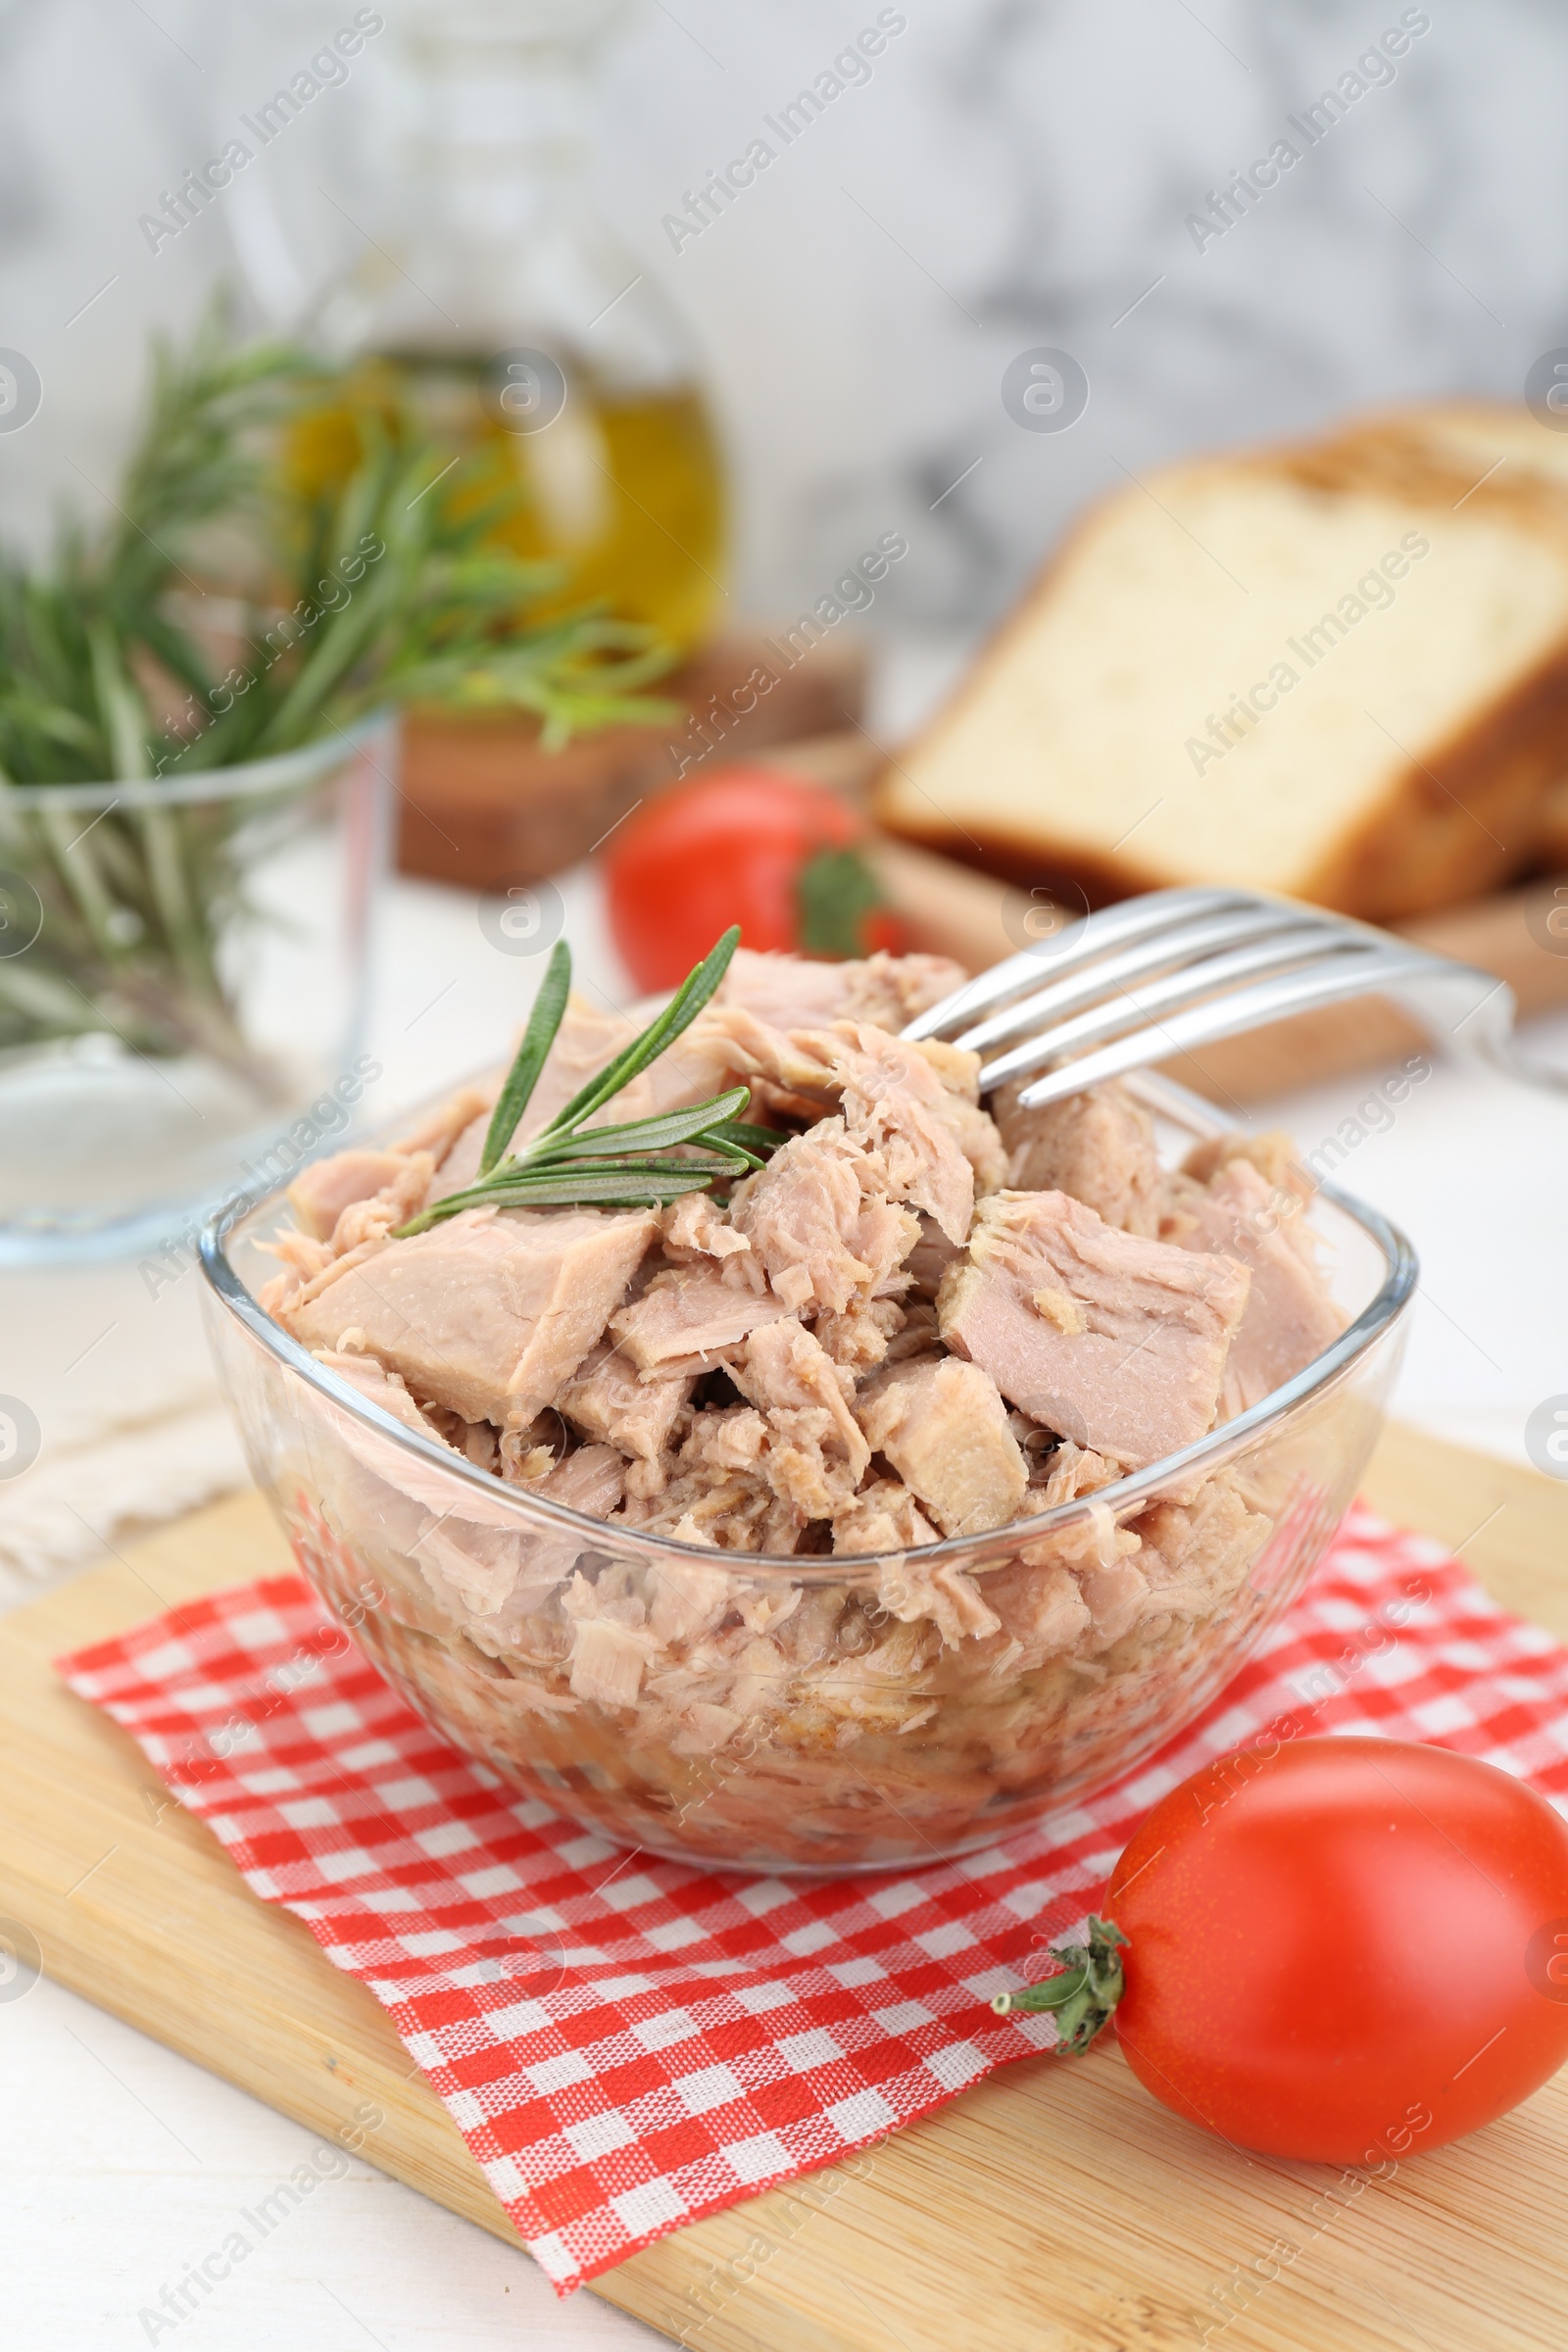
(222, 614)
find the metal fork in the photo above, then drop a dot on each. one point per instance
(1177, 969)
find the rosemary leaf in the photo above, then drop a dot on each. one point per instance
(610, 1186)
(670, 1127)
(556, 1173)
(612, 1189)
(537, 1039)
(758, 1143)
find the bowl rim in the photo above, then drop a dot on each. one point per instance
(1401, 1273)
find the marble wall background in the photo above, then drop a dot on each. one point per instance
(1015, 173)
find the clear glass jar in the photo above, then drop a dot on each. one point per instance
(184, 971)
(806, 1714)
(490, 289)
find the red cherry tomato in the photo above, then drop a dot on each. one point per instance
(745, 845)
(1348, 1950)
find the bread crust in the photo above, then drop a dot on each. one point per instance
(1465, 820)
(1465, 816)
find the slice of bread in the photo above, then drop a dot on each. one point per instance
(1340, 671)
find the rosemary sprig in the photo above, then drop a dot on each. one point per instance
(679, 1013)
(622, 1167)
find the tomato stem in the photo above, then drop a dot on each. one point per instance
(834, 891)
(1084, 1990)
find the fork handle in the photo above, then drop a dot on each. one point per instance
(1506, 1053)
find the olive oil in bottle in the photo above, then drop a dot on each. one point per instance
(496, 298)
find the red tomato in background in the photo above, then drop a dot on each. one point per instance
(736, 848)
(1350, 1949)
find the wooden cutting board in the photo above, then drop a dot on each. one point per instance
(1054, 2208)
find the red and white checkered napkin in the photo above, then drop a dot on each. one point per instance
(712, 2033)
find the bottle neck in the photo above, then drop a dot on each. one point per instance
(494, 219)
(499, 119)
(505, 116)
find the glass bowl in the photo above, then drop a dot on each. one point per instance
(184, 987)
(810, 1714)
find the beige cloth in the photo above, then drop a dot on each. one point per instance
(80, 1505)
(133, 1429)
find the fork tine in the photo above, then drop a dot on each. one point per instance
(1272, 1000)
(1107, 927)
(1183, 939)
(987, 988)
(1309, 943)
